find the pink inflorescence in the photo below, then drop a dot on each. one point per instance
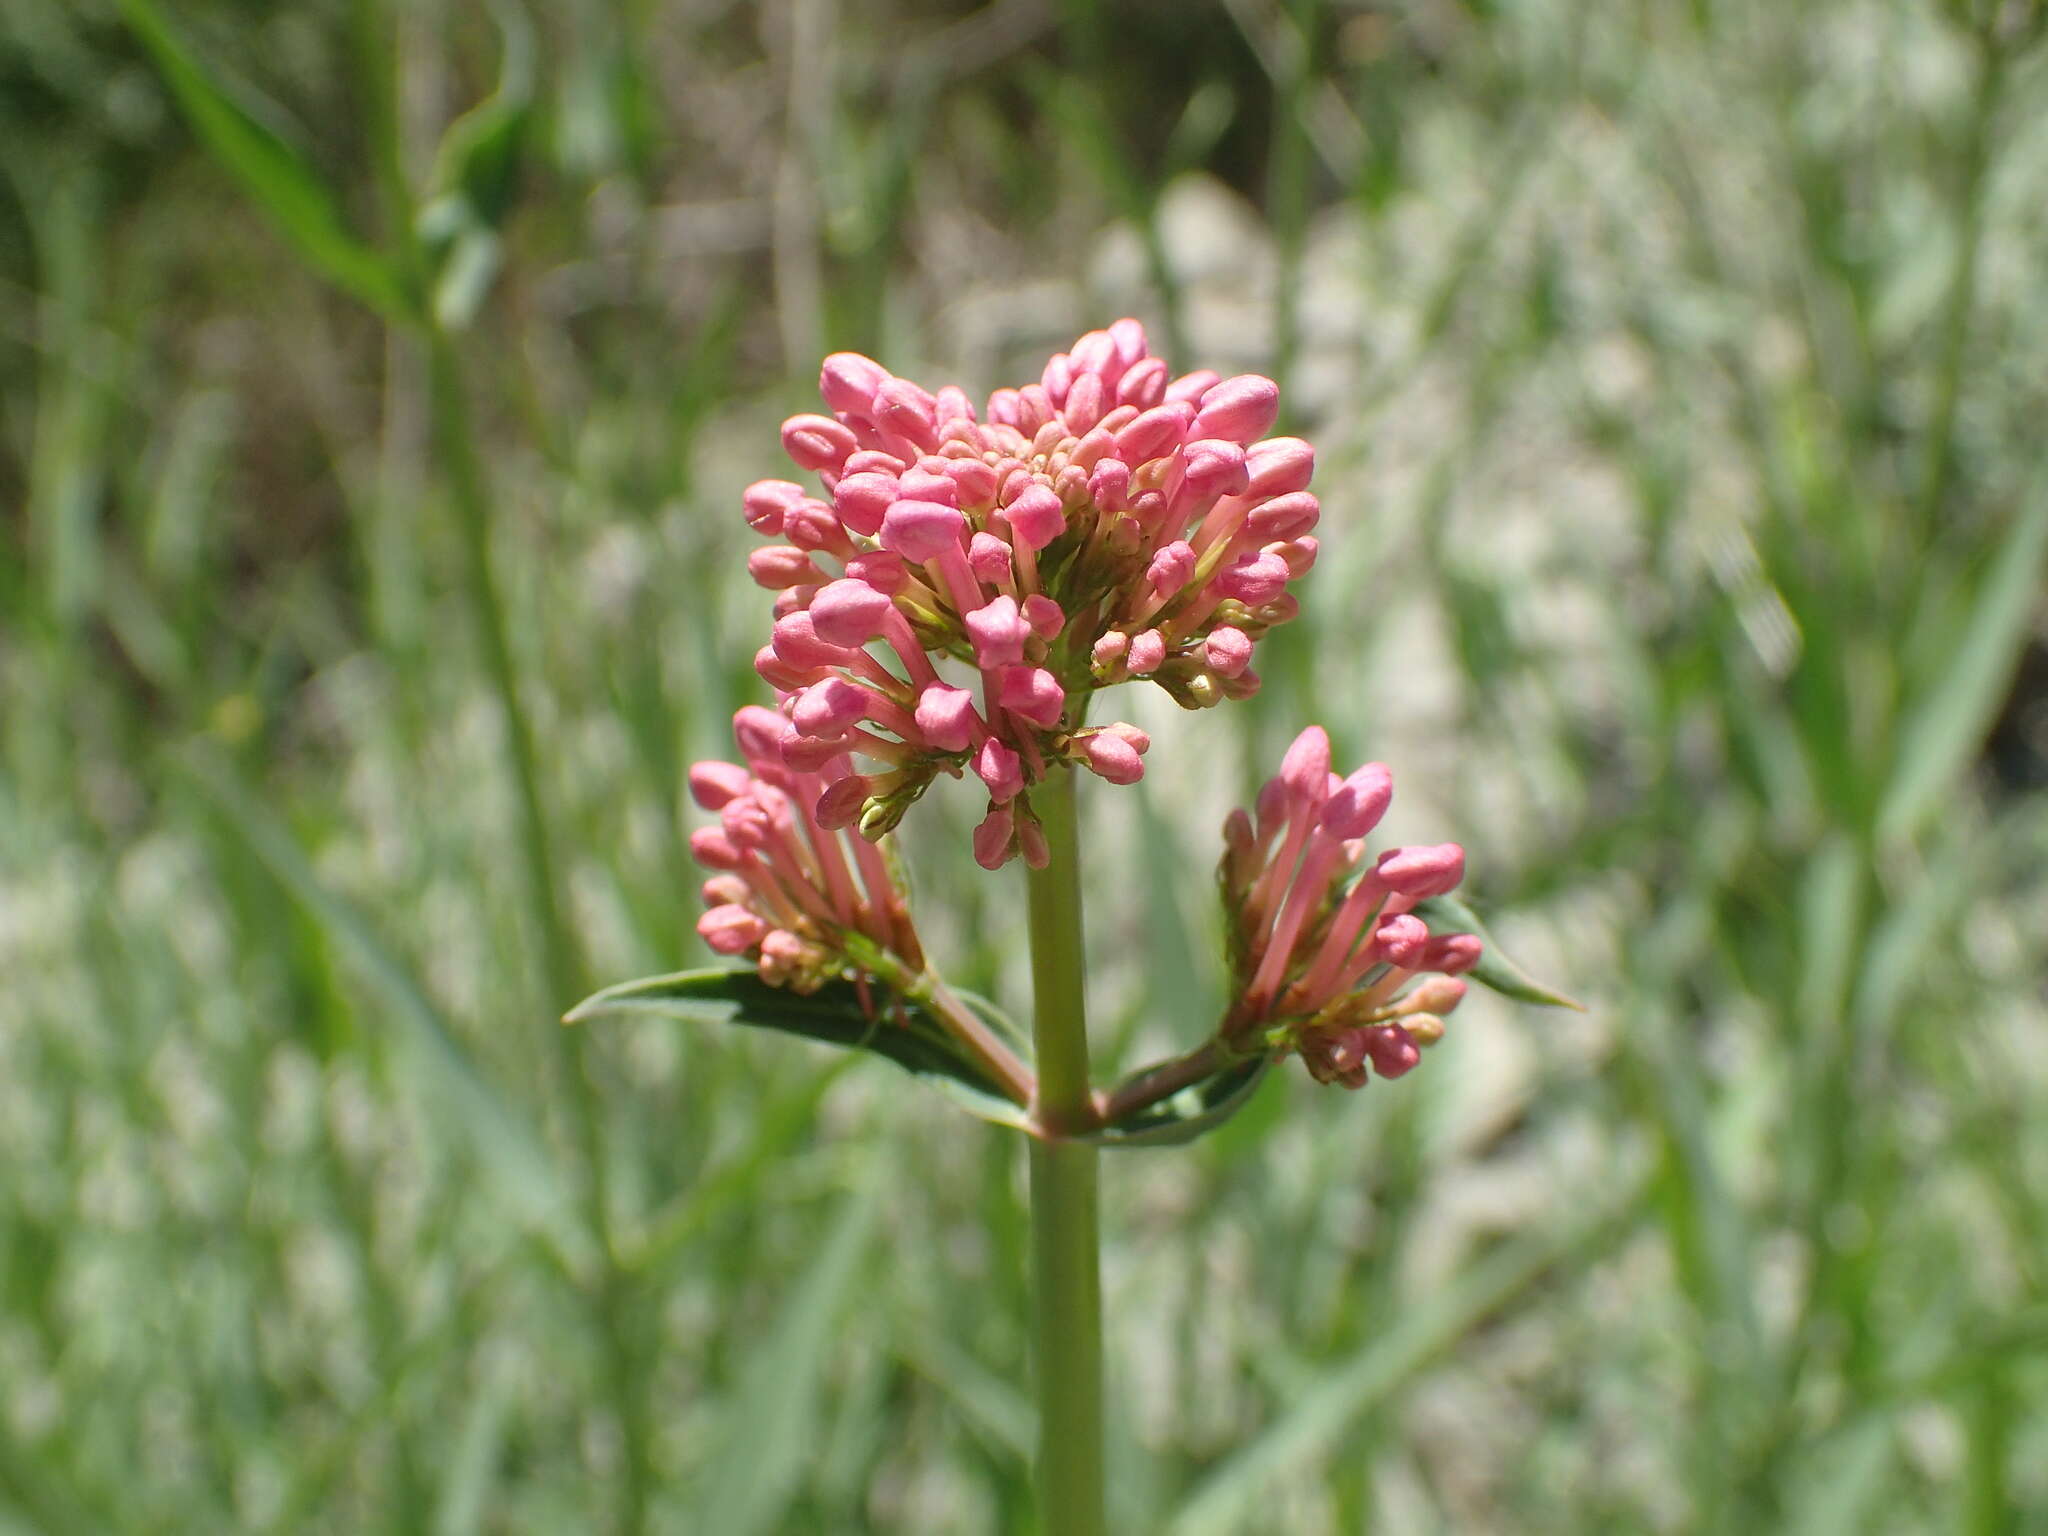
(1106, 522)
(1326, 960)
(783, 889)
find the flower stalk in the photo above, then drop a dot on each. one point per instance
(1066, 1319)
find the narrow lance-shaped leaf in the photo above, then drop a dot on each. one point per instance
(275, 174)
(1192, 1113)
(1946, 725)
(1447, 914)
(900, 1029)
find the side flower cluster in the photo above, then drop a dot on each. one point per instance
(797, 898)
(1107, 522)
(1331, 959)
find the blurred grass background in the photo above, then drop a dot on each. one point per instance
(1676, 369)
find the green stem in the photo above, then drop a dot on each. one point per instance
(1168, 1077)
(1066, 1270)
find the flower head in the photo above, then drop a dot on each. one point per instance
(796, 897)
(1330, 956)
(1103, 523)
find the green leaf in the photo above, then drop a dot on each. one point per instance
(771, 1427)
(273, 172)
(1447, 914)
(506, 1145)
(1317, 1421)
(476, 174)
(902, 1030)
(1946, 726)
(1193, 1112)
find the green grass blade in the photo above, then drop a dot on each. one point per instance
(271, 170)
(1946, 726)
(772, 1425)
(1230, 1497)
(508, 1150)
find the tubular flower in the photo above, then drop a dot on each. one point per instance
(1103, 523)
(797, 898)
(1330, 957)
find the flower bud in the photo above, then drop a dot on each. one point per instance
(714, 783)
(922, 530)
(1033, 694)
(1238, 409)
(817, 442)
(765, 502)
(848, 382)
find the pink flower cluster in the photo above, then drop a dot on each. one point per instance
(784, 889)
(1325, 963)
(1106, 522)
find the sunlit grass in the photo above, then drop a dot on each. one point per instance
(1675, 372)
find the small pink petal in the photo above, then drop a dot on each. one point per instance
(1057, 377)
(922, 484)
(1109, 484)
(1154, 434)
(974, 481)
(1147, 652)
(810, 524)
(882, 569)
(1228, 650)
(1143, 383)
(1170, 568)
(1305, 770)
(1031, 838)
(1238, 409)
(1033, 693)
(1425, 870)
(779, 674)
(1044, 616)
(731, 930)
(765, 502)
(1298, 555)
(989, 558)
(995, 838)
(847, 613)
(1392, 1049)
(1214, 467)
(1356, 805)
(840, 804)
(710, 847)
(952, 404)
(947, 717)
(923, 530)
(1454, 953)
(1279, 466)
(901, 407)
(1253, 578)
(1401, 939)
(1084, 403)
(1000, 769)
(798, 643)
(1128, 338)
(782, 565)
(1113, 758)
(1283, 517)
(1036, 517)
(848, 382)
(828, 707)
(863, 499)
(998, 631)
(817, 442)
(714, 783)
(1191, 387)
(1436, 994)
